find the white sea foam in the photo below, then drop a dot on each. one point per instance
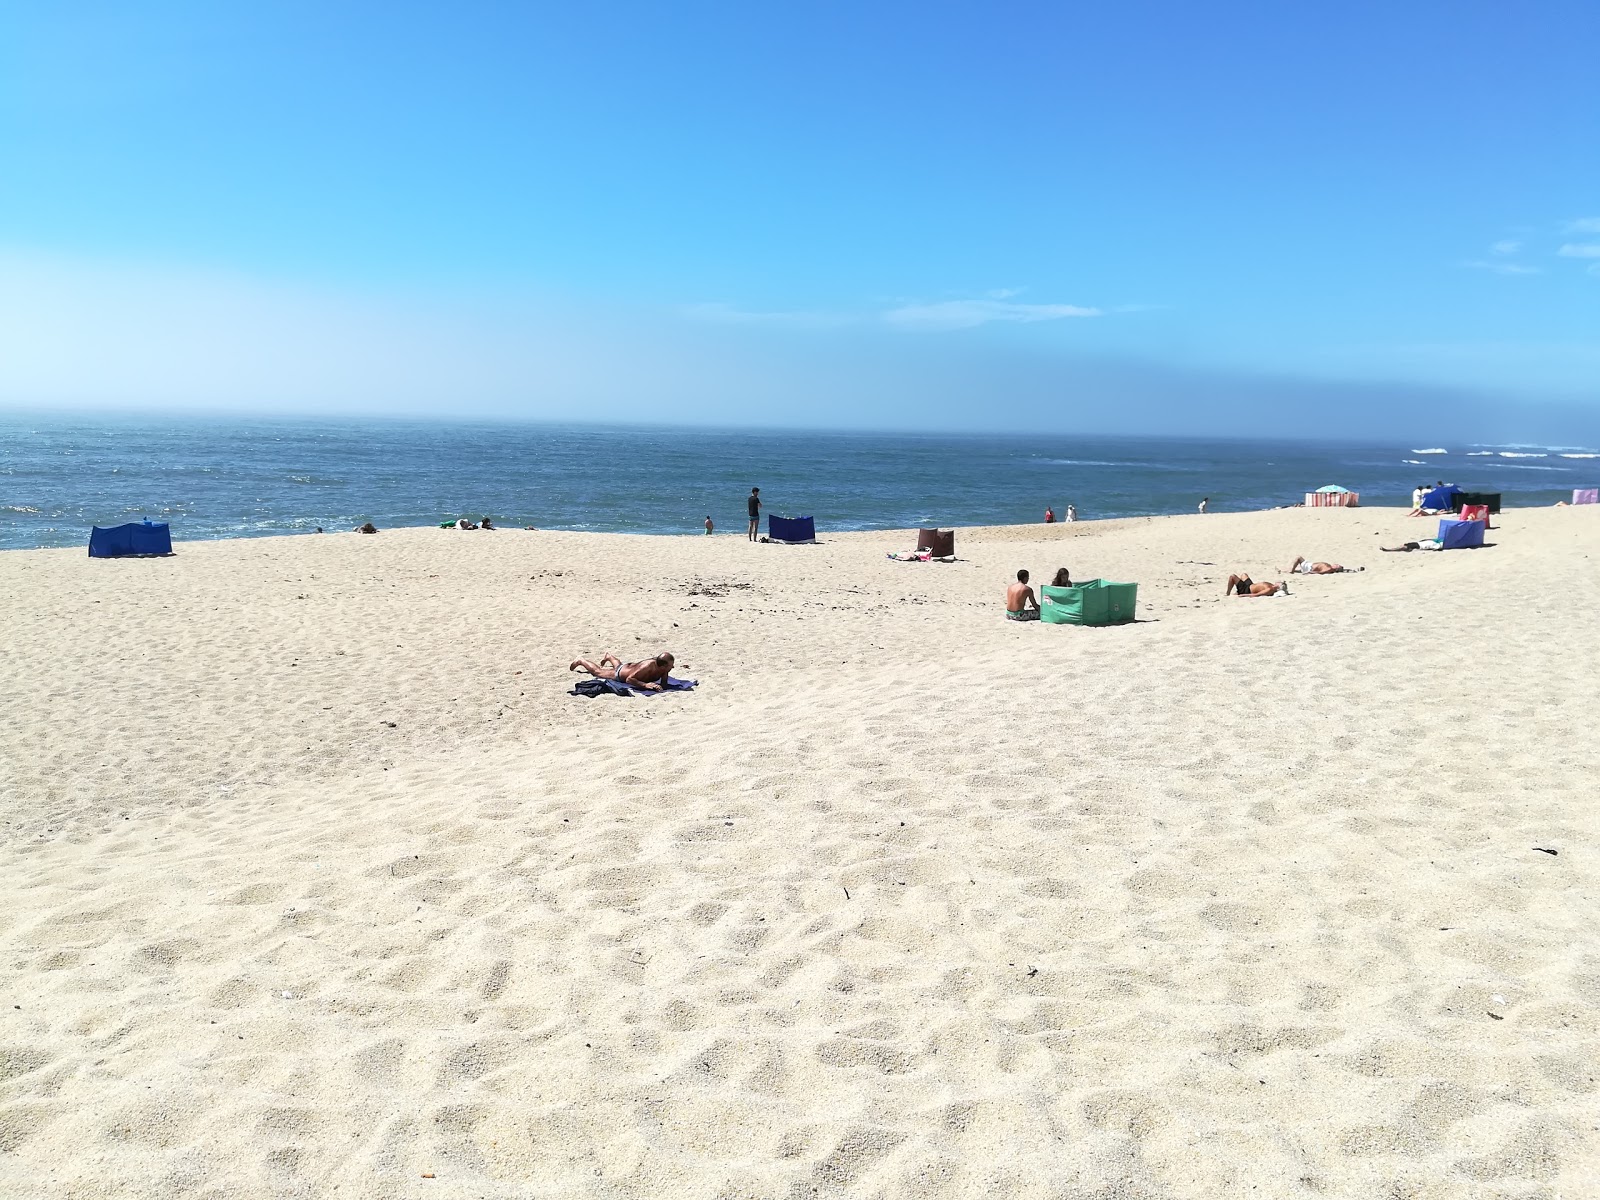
(1520, 454)
(1415, 462)
(1580, 456)
(1435, 450)
(1480, 453)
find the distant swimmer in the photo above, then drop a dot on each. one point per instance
(1304, 566)
(753, 503)
(1020, 602)
(650, 674)
(1243, 585)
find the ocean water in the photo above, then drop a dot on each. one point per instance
(230, 477)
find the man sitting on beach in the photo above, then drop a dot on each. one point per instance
(1303, 566)
(1020, 602)
(649, 675)
(1243, 585)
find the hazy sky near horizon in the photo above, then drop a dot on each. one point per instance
(1361, 218)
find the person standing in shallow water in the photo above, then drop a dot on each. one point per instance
(754, 505)
(708, 525)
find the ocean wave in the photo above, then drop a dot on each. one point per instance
(1085, 462)
(1413, 462)
(1520, 454)
(17, 508)
(1530, 467)
(1480, 453)
(1435, 450)
(1580, 456)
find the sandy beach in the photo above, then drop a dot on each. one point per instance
(317, 882)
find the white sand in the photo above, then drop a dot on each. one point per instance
(906, 900)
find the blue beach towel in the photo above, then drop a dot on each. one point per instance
(615, 687)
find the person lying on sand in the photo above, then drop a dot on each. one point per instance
(1243, 585)
(1020, 602)
(1406, 547)
(649, 674)
(1302, 566)
(369, 527)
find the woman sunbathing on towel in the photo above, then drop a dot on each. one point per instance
(1302, 566)
(1243, 585)
(650, 674)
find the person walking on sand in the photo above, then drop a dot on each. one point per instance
(1072, 513)
(1020, 602)
(1206, 500)
(754, 505)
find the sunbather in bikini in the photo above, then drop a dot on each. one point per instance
(1243, 585)
(649, 674)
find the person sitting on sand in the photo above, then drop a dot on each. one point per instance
(1406, 547)
(1020, 602)
(369, 527)
(1303, 566)
(1062, 579)
(1243, 585)
(486, 523)
(650, 674)
(463, 523)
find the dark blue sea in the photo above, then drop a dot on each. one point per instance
(230, 477)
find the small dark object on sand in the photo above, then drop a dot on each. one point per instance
(1542, 850)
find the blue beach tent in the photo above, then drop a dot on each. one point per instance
(1460, 535)
(121, 541)
(791, 529)
(1441, 499)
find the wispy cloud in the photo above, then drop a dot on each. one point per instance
(933, 316)
(1583, 225)
(967, 314)
(1509, 246)
(1500, 268)
(1580, 250)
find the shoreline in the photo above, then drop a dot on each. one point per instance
(880, 531)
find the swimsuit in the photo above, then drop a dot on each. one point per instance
(1027, 614)
(1243, 586)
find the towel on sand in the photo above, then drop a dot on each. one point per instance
(615, 687)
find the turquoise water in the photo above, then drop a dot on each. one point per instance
(229, 477)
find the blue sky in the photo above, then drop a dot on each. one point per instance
(1025, 215)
